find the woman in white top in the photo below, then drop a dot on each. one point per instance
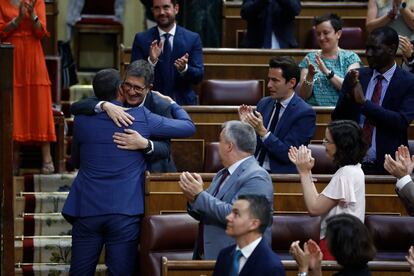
(345, 193)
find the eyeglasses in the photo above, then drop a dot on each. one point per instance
(326, 141)
(128, 86)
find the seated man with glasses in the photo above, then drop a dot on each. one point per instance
(137, 92)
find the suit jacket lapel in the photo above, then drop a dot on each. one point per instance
(232, 179)
(250, 267)
(364, 79)
(178, 43)
(267, 113)
(286, 115)
(215, 181)
(392, 86)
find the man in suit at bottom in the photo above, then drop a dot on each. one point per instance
(402, 168)
(249, 218)
(241, 175)
(106, 200)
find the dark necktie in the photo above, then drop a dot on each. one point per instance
(267, 43)
(167, 47)
(236, 263)
(166, 68)
(273, 123)
(222, 178)
(368, 127)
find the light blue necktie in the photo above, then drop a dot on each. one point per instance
(236, 263)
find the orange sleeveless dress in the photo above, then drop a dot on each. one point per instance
(32, 103)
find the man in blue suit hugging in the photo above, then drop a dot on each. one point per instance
(106, 199)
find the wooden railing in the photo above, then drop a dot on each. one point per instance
(206, 268)
(163, 194)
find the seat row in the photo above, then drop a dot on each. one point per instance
(173, 236)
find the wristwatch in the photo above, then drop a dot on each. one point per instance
(302, 274)
(148, 148)
(330, 75)
(403, 5)
(35, 18)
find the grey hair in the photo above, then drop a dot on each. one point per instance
(141, 69)
(242, 135)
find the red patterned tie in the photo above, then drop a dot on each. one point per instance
(368, 127)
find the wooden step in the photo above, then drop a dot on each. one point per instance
(46, 202)
(43, 183)
(42, 225)
(45, 249)
(41, 269)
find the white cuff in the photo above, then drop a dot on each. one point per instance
(98, 107)
(403, 181)
(152, 148)
(265, 137)
(152, 63)
(185, 70)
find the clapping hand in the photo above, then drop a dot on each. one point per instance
(402, 165)
(410, 258)
(181, 63)
(243, 111)
(321, 64)
(302, 158)
(191, 184)
(31, 7)
(406, 47)
(356, 89)
(311, 68)
(309, 258)
(155, 50)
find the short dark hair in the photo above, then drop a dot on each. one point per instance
(388, 37)
(289, 67)
(336, 20)
(349, 241)
(141, 69)
(105, 84)
(174, 2)
(349, 142)
(259, 208)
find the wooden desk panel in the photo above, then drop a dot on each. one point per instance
(163, 195)
(205, 268)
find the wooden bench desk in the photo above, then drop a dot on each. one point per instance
(163, 194)
(206, 268)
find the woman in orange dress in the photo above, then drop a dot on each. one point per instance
(23, 24)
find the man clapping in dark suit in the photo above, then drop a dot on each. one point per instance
(252, 255)
(176, 53)
(380, 98)
(281, 120)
